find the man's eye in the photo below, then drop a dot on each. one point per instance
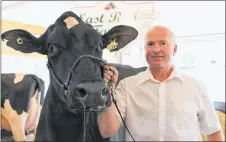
(162, 43)
(150, 44)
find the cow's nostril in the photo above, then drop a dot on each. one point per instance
(82, 92)
(105, 91)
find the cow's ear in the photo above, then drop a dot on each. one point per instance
(118, 37)
(23, 41)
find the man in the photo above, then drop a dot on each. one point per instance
(160, 103)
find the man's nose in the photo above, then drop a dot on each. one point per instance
(156, 48)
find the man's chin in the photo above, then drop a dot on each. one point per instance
(156, 66)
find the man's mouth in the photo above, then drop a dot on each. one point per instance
(157, 57)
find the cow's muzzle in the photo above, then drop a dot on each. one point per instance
(90, 96)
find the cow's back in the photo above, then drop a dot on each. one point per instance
(126, 71)
(18, 89)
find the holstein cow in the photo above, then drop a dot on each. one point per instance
(77, 91)
(22, 96)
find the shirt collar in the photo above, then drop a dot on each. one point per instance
(176, 75)
(147, 75)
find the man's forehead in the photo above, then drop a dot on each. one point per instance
(159, 38)
(159, 34)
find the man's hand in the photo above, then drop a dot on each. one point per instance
(110, 73)
(217, 136)
(108, 122)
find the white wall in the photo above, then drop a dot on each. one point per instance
(28, 65)
(192, 17)
(41, 13)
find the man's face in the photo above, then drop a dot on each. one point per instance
(159, 48)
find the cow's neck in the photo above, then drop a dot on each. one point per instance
(67, 120)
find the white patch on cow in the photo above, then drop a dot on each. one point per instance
(5, 124)
(17, 122)
(34, 113)
(18, 77)
(70, 22)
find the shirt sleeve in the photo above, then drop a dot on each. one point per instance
(120, 97)
(209, 122)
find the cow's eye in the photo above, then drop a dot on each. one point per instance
(51, 47)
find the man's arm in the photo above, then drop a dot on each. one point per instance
(109, 120)
(217, 136)
(209, 122)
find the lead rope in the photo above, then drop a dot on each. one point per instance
(84, 125)
(114, 101)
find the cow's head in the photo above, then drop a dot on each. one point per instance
(63, 48)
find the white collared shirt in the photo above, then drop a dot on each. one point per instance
(176, 109)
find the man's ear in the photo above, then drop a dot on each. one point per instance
(175, 49)
(23, 41)
(118, 37)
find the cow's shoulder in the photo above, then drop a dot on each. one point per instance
(128, 72)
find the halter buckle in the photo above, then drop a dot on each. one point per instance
(66, 92)
(65, 87)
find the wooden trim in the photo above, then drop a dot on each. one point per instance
(10, 51)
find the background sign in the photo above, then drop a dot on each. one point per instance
(105, 15)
